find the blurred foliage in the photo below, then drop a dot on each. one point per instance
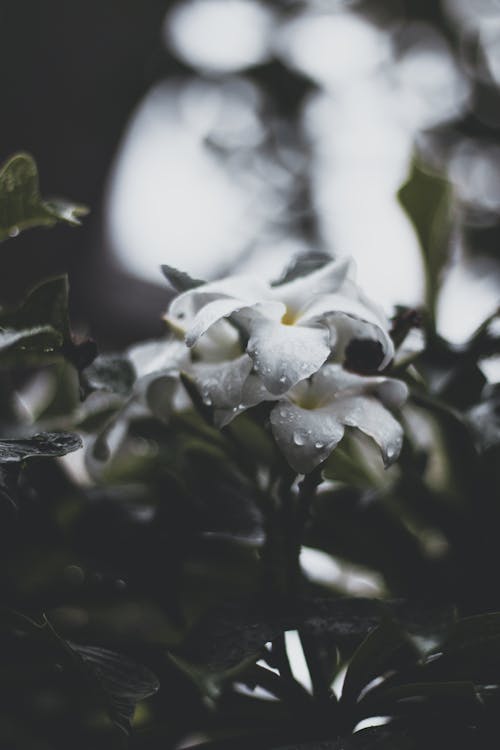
(144, 596)
(146, 568)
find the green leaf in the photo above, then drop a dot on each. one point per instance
(36, 339)
(426, 199)
(121, 682)
(39, 328)
(385, 648)
(22, 207)
(44, 444)
(179, 280)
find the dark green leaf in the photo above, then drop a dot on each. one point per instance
(122, 682)
(178, 280)
(43, 444)
(427, 200)
(21, 206)
(386, 647)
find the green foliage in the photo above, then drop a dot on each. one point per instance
(22, 207)
(427, 199)
(158, 582)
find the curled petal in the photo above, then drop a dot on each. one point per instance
(349, 329)
(284, 355)
(371, 417)
(305, 437)
(247, 289)
(209, 315)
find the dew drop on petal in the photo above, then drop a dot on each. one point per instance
(318, 445)
(299, 438)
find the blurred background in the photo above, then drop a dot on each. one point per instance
(230, 134)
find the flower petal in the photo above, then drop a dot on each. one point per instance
(333, 381)
(298, 293)
(247, 289)
(305, 436)
(371, 417)
(210, 314)
(349, 329)
(221, 385)
(152, 356)
(283, 355)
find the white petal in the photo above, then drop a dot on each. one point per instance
(221, 385)
(298, 293)
(348, 329)
(333, 381)
(152, 356)
(305, 436)
(220, 343)
(283, 355)
(244, 288)
(210, 314)
(253, 393)
(372, 418)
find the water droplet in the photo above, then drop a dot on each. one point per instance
(14, 231)
(299, 437)
(318, 445)
(282, 378)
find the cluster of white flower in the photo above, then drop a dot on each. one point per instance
(313, 345)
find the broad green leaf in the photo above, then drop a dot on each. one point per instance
(36, 339)
(426, 199)
(21, 205)
(38, 328)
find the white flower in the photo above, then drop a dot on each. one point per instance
(292, 329)
(310, 420)
(158, 365)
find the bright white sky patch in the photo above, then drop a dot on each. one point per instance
(333, 49)
(219, 35)
(169, 199)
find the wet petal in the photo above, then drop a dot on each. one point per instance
(333, 381)
(221, 385)
(371, 417)
(211, 314)
(283, 355)
(306, 437)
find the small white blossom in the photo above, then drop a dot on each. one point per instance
(292, 329)
(310, 420)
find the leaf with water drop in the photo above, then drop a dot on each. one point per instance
(21, 205)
